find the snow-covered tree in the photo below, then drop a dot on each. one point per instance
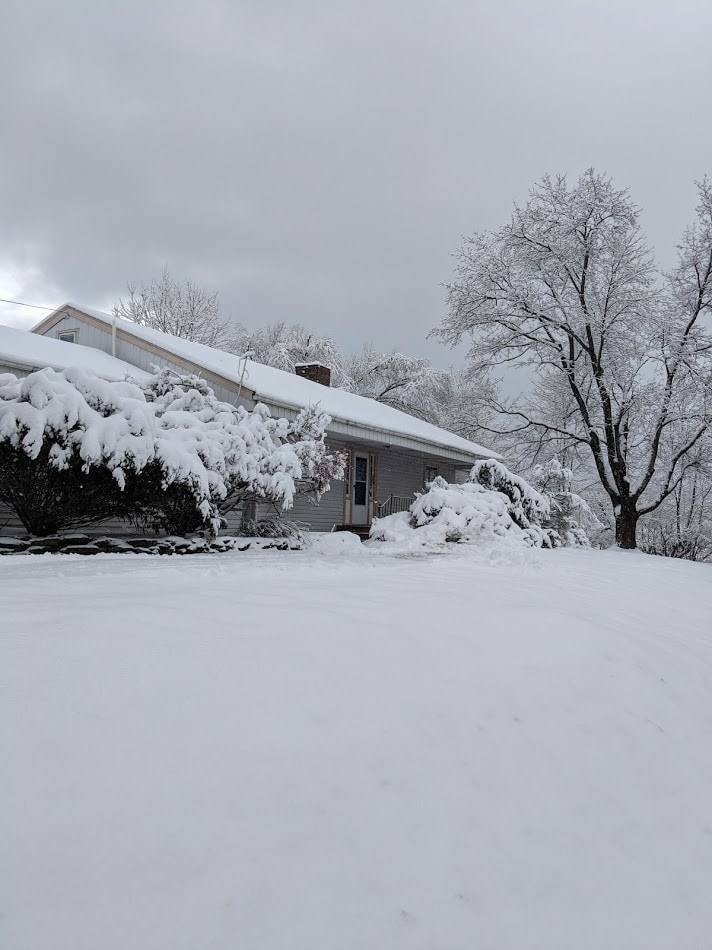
(258, 456)
(285, 345)
(47, 499)
(453, 399)
(167, 453)
(405, 382)
(68, 441)
(682, 525)
(461, 403)
(186, 310)
(568, 292)
(570, 514)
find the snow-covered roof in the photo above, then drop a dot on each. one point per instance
(23, 350)
(287, 390)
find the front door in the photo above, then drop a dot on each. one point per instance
(360, 481)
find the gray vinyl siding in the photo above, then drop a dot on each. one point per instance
(401, 472)
(328, 514)
(86, 335)
(13, 370)
(12, 527)
(10, 524)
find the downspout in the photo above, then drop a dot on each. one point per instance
(113, 336)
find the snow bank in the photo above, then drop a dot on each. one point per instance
(335, 542)
(320, 753)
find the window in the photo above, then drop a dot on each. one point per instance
(360, 479)
(462, 473)
(430, 473)
(68, 336)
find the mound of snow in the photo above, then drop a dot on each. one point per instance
(336, 542)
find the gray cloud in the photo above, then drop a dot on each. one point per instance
(319, 161)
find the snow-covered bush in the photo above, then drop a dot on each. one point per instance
(67, 442)
(78, 449)
(691, 544)
(48, 499)
(493, 506)
(526, 505)
(272, 528)
(570, 514)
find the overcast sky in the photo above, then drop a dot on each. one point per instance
(319, 160)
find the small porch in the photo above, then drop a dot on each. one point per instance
(380, 480)
(392, 505)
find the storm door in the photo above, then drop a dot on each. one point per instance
(360, 482)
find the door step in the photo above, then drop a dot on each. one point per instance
(362, 530)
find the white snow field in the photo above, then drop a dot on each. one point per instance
(355, 751)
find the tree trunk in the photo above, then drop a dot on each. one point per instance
(249, 515)
(626, 528)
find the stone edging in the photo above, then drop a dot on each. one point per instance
(84, 544)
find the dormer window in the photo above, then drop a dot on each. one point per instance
(68, 336)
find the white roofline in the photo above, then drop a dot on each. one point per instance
(413, 433)
(20, 350)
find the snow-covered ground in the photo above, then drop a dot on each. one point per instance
(322, 751)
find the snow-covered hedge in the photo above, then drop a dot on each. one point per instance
(493, 506)
(570, 515)
(76, 449)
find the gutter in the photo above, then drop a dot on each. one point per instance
(386, 437)
(27, 367)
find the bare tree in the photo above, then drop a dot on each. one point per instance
(453, 399)
(283, 345)
(682, 525)
(404, 382)
(186, 310)
(618, 354)
(449, 398)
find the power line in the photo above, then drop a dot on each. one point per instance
(19, 303)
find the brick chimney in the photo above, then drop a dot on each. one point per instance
(316, 372)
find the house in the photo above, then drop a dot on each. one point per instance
(391, 454)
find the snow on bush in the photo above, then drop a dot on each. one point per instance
(526, 506)
(167, 453)
(570, 514)
(493, 506)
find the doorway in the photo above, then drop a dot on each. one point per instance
(360, 482)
